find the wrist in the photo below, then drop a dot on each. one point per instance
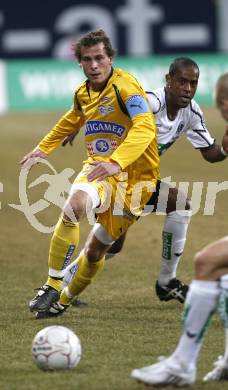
(223, 152)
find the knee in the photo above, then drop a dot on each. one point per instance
(188, 205)
(76, 206)
(117, 246)
(203, 264)
(70, 213)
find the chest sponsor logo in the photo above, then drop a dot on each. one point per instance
(98, 127)
(105, 110)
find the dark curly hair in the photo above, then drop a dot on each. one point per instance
(181, 62)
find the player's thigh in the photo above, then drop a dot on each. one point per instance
(79, 199)
(214, 257)
(86, 196)
(118, 244)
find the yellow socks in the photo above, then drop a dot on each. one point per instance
(83, 277)
(63, 244)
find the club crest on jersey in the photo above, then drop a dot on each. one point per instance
(105, 99)
(105, 110)
(180, 127)
(102, 146)
(98, 127)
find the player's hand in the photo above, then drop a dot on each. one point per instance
(69, 139)
(102, 170)
(225, 141)
(32, 158)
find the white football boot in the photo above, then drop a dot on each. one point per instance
(220, 371)
(166, 372)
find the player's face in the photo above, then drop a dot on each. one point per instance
(222, 105)
(182, 86)
(96, 65)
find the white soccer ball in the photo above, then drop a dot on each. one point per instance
(56, 348)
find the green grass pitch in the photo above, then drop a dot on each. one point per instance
(124, 325)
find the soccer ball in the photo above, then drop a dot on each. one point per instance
(56, 348)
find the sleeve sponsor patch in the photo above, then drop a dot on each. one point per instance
(136, 105)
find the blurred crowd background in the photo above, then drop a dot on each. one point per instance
(37, 69)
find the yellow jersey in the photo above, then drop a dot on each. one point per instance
(118, 126)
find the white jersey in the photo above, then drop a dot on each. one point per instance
(189, 121)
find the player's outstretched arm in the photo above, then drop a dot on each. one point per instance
(32, 157)
(215, 153)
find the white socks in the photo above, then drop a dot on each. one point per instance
(72, 268)
(174, 237)
(200, 305)
(70, 271)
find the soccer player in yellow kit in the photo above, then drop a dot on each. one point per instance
(121, 141)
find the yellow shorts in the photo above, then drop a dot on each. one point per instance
(118, 200)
